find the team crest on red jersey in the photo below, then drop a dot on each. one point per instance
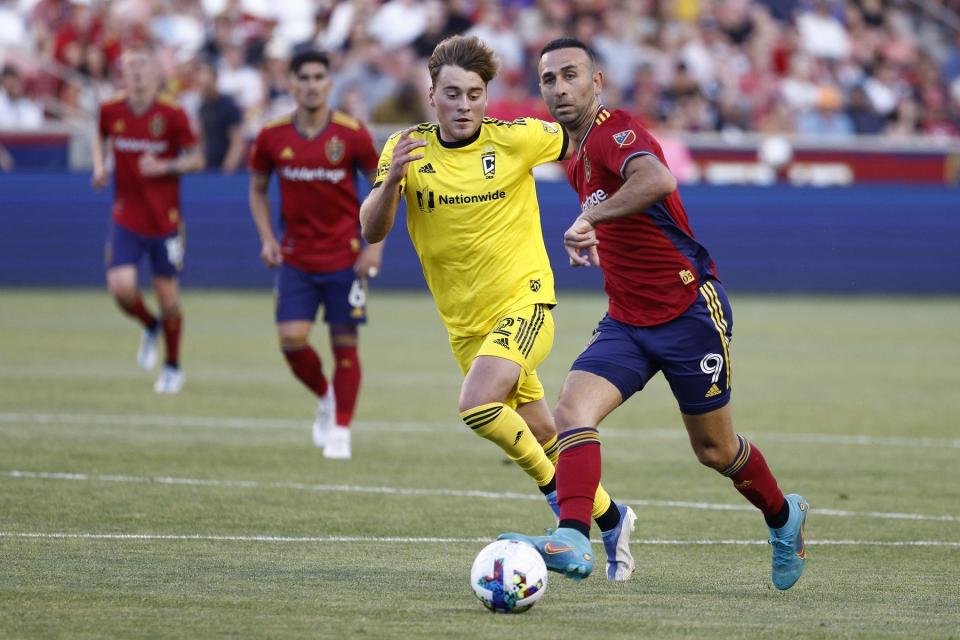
(119, 126)
(625, 138)
(586, 167)
(335, 149)
(157, 126)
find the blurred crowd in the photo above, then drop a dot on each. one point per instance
(829, 68)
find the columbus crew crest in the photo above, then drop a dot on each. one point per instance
(489, 160)
(157, 126)
(335, 149)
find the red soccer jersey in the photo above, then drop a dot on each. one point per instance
(652, 265)
(319, 207)
(148, 206)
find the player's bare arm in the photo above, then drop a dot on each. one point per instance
(260, 210)
(100, 177)
(647, 182)
(369, 261)
(189, 161)
(379, 209)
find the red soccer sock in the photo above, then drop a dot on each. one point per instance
(346, 382)
(578, 474)
(172, 328)
(305, 364)
(753, 479)
(138, 310)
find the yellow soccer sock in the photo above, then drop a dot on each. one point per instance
(503, 426)
(601, 501)
(552, 449)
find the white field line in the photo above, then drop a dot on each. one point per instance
(445, 427)
(414, 540)
(445, 493)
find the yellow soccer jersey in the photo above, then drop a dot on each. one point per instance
(473, 216)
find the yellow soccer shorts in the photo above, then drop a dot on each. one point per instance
(524, 336)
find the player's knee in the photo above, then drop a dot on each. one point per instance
(292, 342)
(122, 289)
(568, 416)
(711, 455)
(169, 310)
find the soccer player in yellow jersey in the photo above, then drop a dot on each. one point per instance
(473, 216)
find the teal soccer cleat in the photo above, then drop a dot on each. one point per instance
(565, 551)
(616, 543)
(789, 548)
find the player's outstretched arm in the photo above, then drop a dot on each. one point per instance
(260, 210)
(646, 182)
(379, 209)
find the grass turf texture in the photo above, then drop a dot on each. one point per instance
(231, 456)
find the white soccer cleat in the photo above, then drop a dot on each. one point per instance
(326, 414)
(147, 354)
(170, 381)
(338, 443)
(616, 543)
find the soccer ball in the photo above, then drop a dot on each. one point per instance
(508, 576)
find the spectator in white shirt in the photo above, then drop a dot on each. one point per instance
(17, 110)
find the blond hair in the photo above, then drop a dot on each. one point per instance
(466, 52)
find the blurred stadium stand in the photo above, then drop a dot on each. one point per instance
(743, 93)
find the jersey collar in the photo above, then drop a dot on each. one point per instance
(458, 144)
(587, 134)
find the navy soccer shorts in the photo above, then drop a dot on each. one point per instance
(692, 350)
(300, 293)
(124, 247)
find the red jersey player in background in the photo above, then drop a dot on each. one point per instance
(316, 154)
(667, 312)
(152, 145)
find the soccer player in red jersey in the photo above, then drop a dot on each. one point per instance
(152, 145)
(316, 154)
(667, 312)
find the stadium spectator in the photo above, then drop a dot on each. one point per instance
(742, 54)
(864, 117)
(315, 153)
(221, 123)
(442, 21)
(826, 119)
(17, 110)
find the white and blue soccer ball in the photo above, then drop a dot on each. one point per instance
(508, 576)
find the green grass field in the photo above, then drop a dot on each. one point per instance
(210, 514)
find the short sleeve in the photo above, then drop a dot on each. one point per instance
(383, 166)
(622, 141)
(546, 141)
(102, 125)
(184, 137)
(366, 154)
(260, 159)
